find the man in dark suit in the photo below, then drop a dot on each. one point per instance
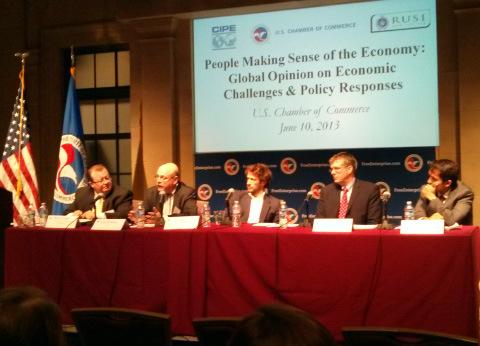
(168, 197)
(256, 203)
(444, 196)
(100, 198)
(347, 196)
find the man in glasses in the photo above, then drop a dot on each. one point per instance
(169, 196)
(347, 196)
(100, 198)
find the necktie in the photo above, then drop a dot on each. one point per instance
(99, 206)
(342, 211)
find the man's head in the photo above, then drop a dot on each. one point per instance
(167, 177)
(99, 179)
(343, 167)
(281, 325)
(258, 177)
(29, 317)
(443, 175)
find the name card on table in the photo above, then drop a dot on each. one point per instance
(422, 227)
(332, 225)
(61, 221)
(108, 224)
(181, 222)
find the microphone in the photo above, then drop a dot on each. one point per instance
(385, 196)
(305, 204)
(100, 195)
(308, 196)
(230, 192)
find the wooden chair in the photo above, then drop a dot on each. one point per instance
(215, 331)
(114, 326)
(373, 336)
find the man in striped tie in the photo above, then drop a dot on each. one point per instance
(348, 196)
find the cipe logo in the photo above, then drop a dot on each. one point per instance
(260, 34)
(413, 163)
(224, 37)
(231, 167)
(288, 165)
(316, 189)
(71, 169)
(204, 192)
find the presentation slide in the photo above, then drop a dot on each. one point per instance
(360, 75)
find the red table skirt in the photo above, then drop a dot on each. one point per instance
(376, 278)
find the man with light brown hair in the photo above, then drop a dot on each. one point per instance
(257, 205)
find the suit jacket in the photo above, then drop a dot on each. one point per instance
(117, 199)
(270, 206)
(456, 208)
(364, 207)
(184, 200)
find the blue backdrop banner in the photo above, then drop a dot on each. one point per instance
(400, 170)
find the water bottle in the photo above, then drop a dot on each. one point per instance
(42, 214)
(206, 222)
(236, 212)
(140, 215)
(408, 211)
(282, 215)
(30, 219)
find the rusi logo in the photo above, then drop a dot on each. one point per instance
(400, 21)
(224, 37)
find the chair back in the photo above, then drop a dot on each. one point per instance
(215, 331)
(373, 336)
(114, 326)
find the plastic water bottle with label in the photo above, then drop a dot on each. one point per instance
(408, 211)
(42, 214)
(206, 216)
(236, 212)
(30, 216)
(140, 215)
(282, 215)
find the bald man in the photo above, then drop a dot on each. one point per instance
(170, 196)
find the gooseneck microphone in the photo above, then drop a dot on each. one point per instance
(305, 204)
(385, 197)
(230, 192)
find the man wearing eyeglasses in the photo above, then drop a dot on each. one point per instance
(347, 196)
(100, 198)
(169, 196)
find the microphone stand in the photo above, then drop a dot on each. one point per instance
(385, 224)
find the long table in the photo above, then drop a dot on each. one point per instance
(375, 277)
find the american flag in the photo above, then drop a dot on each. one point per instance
(17, 172)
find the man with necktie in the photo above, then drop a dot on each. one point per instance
(100, 198)
(348, 196)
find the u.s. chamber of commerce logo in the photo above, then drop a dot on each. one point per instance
(224, 37)
(231, 167)
(316, 189)
(71, 169)
(413, 163)
(292, 215)
(288, 165)
(260, 34)
(204, 192)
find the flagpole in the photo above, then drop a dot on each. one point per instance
(23, 56)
